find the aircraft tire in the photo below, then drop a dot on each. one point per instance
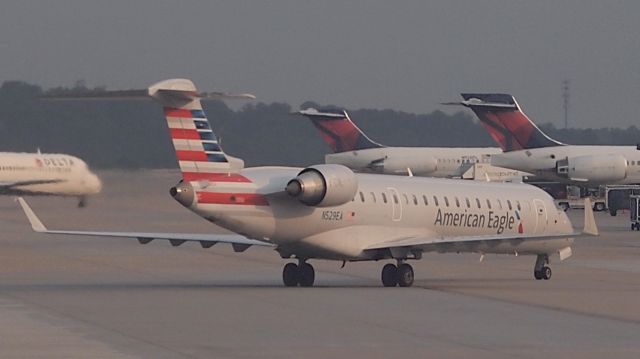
(290, 275)
(389, 275)
(537, 274)
(306, 275)
(405, 275)
(546, 273)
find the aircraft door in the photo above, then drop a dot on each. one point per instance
(542, 216)
(396, 204)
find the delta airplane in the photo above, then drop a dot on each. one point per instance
(47, 174)
(527, 148)
(329, 212)
(353, 148)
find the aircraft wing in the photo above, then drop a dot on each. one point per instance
(435, 241)
(239, 243)
(7, 185)
(432, 242)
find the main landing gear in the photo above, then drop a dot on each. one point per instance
(541, 270)
(401, 275)
(298, 274)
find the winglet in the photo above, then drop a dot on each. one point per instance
(590, 226)
(36, 224)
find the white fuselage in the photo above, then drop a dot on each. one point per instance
(46, 174)
(384, 208)
(439, 162)
(542, 161)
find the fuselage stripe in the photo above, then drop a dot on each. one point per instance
(215, 177)
(249, 199)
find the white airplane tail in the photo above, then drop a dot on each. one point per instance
(197, 148)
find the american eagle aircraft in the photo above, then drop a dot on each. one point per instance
(353, 148)
(47, 174)
(527, 148)
(329, 212)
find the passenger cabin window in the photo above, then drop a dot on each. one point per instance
(406, 199)
(424, 198)
(499, 204)
(509, 204)
(415, 200)
(446, 201)
(478, 203)
(395, 198)
(373, 197)
(384, 197)
(518, 206)
(361, 197)
(457, 202)
(468, 203)
(488, 203)
(435, 200)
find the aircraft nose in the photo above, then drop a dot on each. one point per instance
(95, 185)
(183, 193)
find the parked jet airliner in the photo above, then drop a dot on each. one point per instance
(329, 212)
(353, 148)
(527, 148)
(46, 174)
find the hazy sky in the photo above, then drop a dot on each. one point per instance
(406, 55)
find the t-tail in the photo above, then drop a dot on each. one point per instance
(198, 150)
(507, 124)
(338, 131)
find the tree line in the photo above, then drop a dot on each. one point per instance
(132, 133)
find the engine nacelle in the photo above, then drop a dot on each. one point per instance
(324, 185)
(399, 165)
(595, 168)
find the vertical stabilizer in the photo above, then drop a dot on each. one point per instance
(197, 148)
(501, 115)
(338, 131)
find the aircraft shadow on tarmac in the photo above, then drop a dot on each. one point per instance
(429, 284)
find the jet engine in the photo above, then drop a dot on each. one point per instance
(399, 165)
(595, 168)
(324, 185)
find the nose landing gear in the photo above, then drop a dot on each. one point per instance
(541, 270)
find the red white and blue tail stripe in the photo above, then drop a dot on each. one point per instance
(197, 148)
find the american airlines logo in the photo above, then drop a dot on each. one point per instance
(491, 220)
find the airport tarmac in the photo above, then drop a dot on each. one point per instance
(64, 297)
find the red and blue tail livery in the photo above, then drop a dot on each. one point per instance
(197, 148)
(507, 124)
(338, 131)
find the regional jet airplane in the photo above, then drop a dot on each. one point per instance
(47, 174)
(353, 148)
(329, 212)
(527, 148)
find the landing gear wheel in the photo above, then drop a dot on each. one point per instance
(546, 273)
(306, 275)
(599, 207)
(537, 275)
(405, 275)
(389, 275)
(290, 275)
